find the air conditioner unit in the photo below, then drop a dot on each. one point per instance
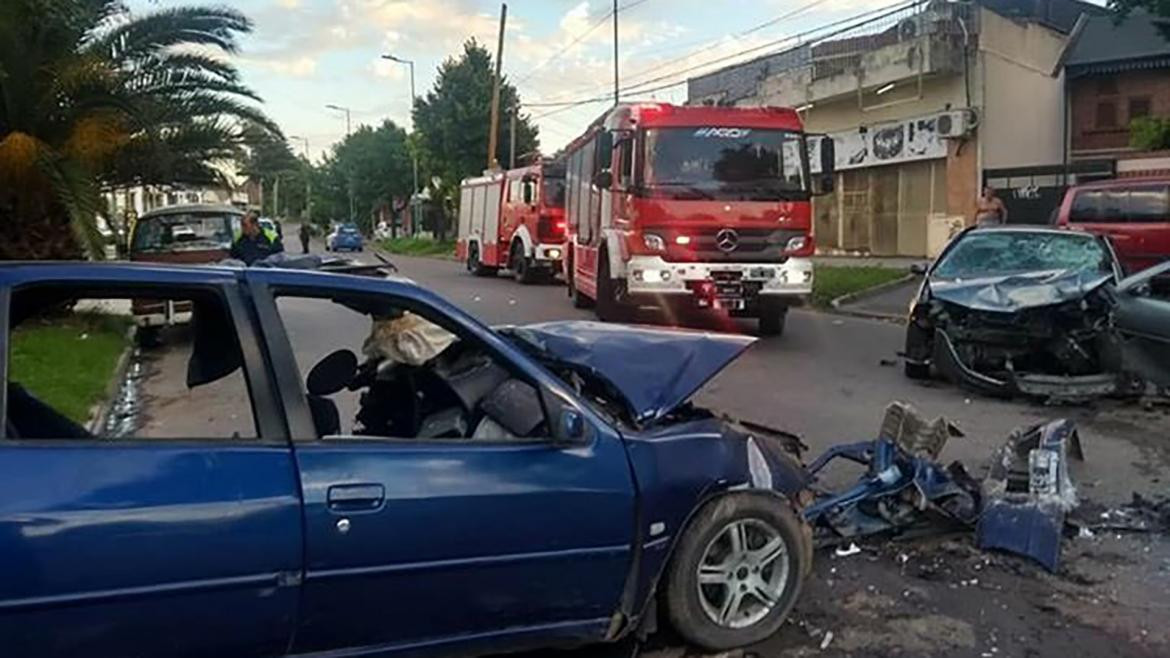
(956, 123)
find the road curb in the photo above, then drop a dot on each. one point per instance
(837, 303)
(101, 411)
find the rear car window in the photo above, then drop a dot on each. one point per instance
(1137, 204)
(184, 232)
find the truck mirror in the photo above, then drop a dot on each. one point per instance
(604, 149)
(603, 180)
(823, 184)
(828, 157)
(528, 193)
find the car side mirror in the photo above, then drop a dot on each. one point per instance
(603, 180)
(918, 268)
(528, 195)
(572, 425)
(1143, 289)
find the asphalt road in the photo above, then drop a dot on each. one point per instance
(829, 378)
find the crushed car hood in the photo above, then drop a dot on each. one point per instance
(1016, 292)
(655, 370)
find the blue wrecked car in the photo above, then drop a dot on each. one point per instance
(430, 486)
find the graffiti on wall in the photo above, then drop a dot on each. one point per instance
(885, 143)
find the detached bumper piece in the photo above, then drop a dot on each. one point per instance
(1028, 491)
(902, 488)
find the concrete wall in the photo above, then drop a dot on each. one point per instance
(1023, 103)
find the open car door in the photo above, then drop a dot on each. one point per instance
(1143, 318)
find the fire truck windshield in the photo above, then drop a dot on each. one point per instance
(553, 192)
(724, 163)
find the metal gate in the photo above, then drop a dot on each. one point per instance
(1032, 195)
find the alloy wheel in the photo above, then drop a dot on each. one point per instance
(743, 573)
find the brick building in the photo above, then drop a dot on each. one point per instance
(1115, 73)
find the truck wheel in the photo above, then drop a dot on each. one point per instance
(519, 264)
(772, 319)
(609, 309)
(475, 265)
(737, 571)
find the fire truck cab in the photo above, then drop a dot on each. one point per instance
(514, 220)
(693, 207)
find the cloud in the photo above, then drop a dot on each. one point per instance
(297, 67)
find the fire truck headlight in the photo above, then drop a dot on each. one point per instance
(654, 242)
(796, 244)
(553, 253)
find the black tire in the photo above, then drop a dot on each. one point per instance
(475, 265)
(521, 270)
(684, 605)
(772, 319)
(609, 309)
(916, 370)
(918, 348)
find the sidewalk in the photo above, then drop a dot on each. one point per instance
(888, 303)
(893, 262)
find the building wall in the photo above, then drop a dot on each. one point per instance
(1090, 132)
(1023, 103)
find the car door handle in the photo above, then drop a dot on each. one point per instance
(355, 497)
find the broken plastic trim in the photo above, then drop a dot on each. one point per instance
(947, 360)
(1028, 491)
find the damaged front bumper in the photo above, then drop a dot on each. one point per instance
(1073, 387)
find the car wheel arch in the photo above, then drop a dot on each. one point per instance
(716, 491)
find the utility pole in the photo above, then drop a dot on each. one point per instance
(512, 140)
(615, 52)
(352, 211)
(308, 180)
(275, 197)
(495, 127)
(413, 155)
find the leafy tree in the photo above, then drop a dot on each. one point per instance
(267, 157)
(376, 162)
(1156, 7)
(93, 98)
(1150, 134)
(454, 117)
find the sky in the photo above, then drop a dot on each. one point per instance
(306, 54)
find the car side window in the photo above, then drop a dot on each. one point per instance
(1085, 207)
(1149, 204)
(119, 367)
(387, 371)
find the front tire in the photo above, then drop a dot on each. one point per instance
(772, 319)
(518, 262)
(917, 347)
(475, 265)
(609, 309)
(737, 571)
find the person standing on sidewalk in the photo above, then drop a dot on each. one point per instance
(304, 234)
(989, 209)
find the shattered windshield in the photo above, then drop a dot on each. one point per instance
(991, 254)
(185, 232)
(724, 163)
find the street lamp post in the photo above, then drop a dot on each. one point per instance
(339, 108)
(413, 155)
(308, 180)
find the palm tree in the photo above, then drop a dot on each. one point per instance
(93, 98)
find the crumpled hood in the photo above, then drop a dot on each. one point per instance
(655, 370)
(1016, 292)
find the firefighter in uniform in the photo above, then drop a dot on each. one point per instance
(253, 243)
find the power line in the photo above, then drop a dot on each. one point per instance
(596, 89)
(578, 39)
(637, 87)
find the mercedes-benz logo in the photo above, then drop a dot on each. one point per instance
(727, 240)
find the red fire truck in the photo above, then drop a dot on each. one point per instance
(699, 207)
(514, 220)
